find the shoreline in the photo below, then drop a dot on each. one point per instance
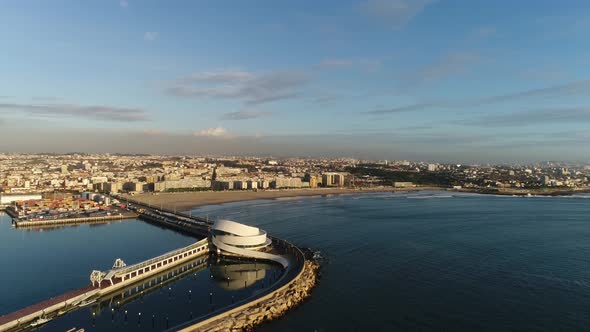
(522, 192)
(184, 201)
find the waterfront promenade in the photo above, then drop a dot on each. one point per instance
(58, 302)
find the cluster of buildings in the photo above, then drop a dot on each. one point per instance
(34, 173)
(114, 173)
(57, 206)
(535, 176)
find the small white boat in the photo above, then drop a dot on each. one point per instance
(86, 303)
(40, 321)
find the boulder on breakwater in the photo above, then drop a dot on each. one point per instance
(274, 307)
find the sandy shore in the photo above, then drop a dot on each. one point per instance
(187, 200)
(184, 201)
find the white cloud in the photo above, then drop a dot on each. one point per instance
(213, 132)
(123, 3)
(150, 35)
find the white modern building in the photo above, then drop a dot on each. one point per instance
(239, 235)
(235, 239)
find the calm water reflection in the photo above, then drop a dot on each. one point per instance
(435, 261)
(169, 298)
(172, 297)
(427, 261)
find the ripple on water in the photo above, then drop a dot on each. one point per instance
(462, 263)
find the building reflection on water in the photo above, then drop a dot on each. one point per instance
(172, 297)
(236, 275)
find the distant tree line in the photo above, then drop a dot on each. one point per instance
(236, 164)
(441, 179)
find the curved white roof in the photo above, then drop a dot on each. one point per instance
(235, 228)
(243, 240)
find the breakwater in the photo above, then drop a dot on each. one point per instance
(269, 307)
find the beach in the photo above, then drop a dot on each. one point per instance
(184, 201)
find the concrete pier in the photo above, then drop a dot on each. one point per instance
(18, 223)
(22, 318)
(114, 280)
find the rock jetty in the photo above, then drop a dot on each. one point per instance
(272, 307)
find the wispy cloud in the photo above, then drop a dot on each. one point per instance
(534, 117)
(579, 88)
(224, 76)
(45, 98)
(150, 35)
(368, 64)
(395, 13)
(568, 89)
(123, 3)
(450, 65)
(245, 115)
(482, 33)
(336, 63)
(213, 132)
(546, 73)
(105, 113)
(252, 88)
(408, 108)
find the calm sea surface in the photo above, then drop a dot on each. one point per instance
(427, 261)
(435, 261)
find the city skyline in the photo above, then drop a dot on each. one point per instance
(465, 81)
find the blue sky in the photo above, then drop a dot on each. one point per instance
(468, 81)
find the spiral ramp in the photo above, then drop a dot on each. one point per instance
(243, 240)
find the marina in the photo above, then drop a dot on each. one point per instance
(122, 275)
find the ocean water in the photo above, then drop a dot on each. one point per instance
(429, 261)
(435, 261)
